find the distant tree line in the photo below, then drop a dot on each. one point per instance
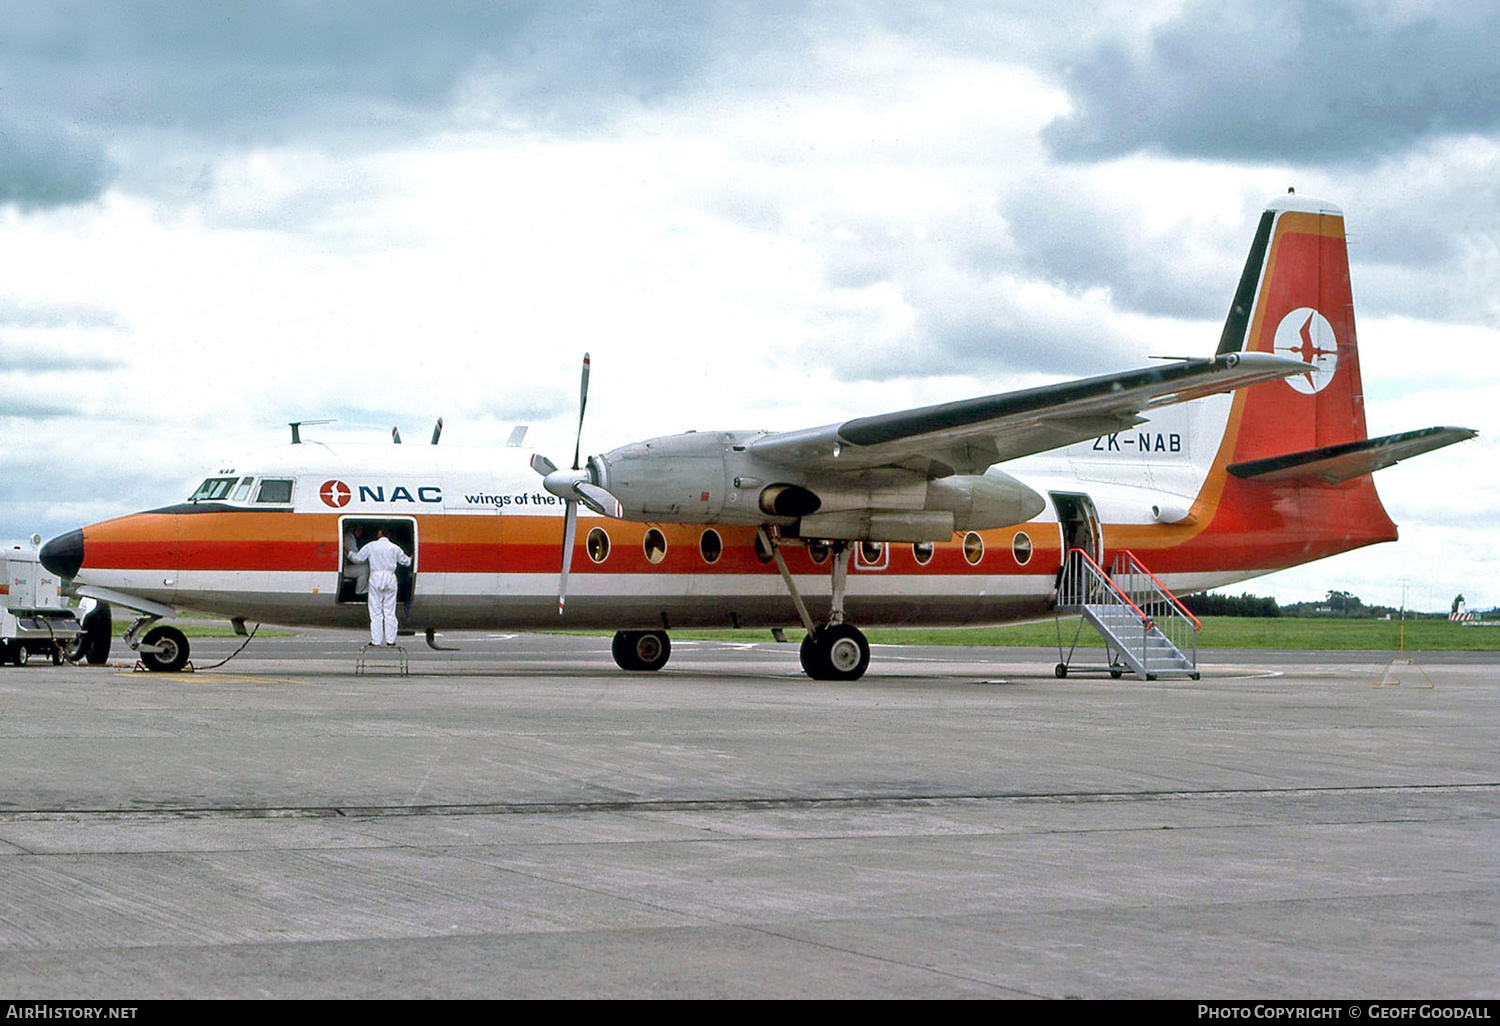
(1232, 605)
(1336, 604)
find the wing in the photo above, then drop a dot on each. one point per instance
(968, 436)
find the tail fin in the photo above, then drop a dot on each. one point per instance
(1294, 300)
(1291, 478)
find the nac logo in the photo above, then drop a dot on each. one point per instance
(1307, 335)
(335, 494)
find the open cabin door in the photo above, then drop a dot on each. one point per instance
(1078, 522)
(357, 531)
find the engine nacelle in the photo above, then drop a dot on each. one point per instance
(932, 512)
(677, 479)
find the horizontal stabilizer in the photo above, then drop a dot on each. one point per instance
(1337, 463)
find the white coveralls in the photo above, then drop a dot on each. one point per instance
(384, 556)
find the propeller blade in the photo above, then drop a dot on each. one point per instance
(583, 402)
(570, 530)
(541, 464)
(598, 500)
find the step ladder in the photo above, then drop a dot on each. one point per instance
(1146, 629)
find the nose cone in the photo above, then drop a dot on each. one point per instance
(63, 555)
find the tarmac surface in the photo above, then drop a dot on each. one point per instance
(522, 819)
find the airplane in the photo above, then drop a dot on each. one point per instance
(1209, 470)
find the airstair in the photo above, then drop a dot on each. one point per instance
(1146, 629)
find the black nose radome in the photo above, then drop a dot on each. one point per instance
(63, 555)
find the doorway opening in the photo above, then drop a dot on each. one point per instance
(355, 532)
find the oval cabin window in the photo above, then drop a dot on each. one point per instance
(655, 545)
(598, 545)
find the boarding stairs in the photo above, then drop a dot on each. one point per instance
(1146, 629)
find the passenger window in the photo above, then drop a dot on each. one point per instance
(655, 545)
(598, 545)
(274, 491)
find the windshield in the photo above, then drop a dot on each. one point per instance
(214, 489)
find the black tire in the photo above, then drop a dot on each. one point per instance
(1060, 670)
(837, 652)
(641, 651)
(620, 649)
(99, 632)
(93, 644)
(174, 650)
(1116, 673)
(812, 658)
(20, 655)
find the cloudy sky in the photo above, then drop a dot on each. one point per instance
(217, 218)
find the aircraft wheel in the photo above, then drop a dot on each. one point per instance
(641, 650)
(174, 649)
(837, 652)
(1116, 673)
(1060, 670)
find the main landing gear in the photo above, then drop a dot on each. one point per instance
(836, 650)
(641, 650)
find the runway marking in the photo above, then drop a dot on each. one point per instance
(213, 677)
(729, 804)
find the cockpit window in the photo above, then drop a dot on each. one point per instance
(243, 491)
(274, 491)
(213, 490)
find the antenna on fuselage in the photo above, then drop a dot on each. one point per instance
(517, 435)
(437, 431)
(297, 424)
(396, 435)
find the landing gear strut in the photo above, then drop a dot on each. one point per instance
(836, 650)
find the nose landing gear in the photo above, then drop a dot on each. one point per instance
(163, 649)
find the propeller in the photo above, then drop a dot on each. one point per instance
(574, 486)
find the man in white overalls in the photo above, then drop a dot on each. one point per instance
(383, 556)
